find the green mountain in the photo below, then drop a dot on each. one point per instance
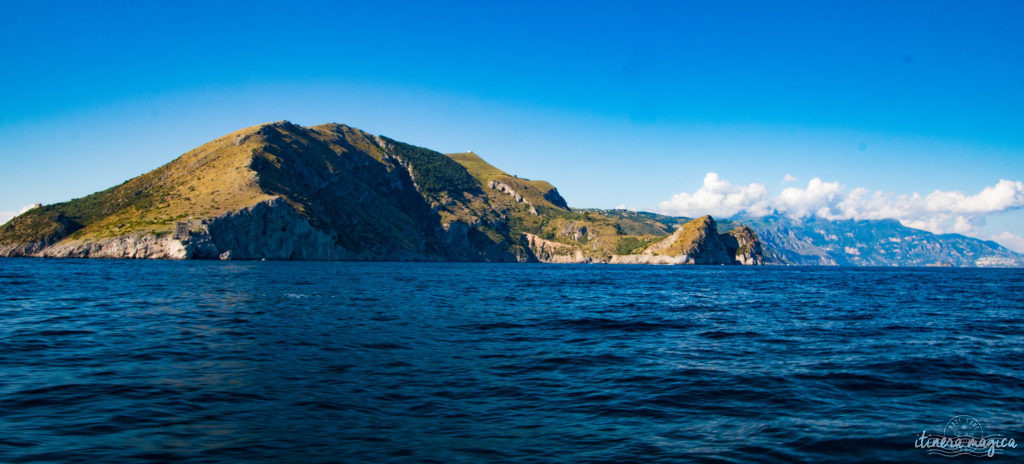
(333, 192)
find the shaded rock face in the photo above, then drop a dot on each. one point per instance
(271, 230)
(375, 198)
(460, 241)
(556, 198)
(742, 243)
(365, 204)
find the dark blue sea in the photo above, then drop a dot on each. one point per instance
(306, 362)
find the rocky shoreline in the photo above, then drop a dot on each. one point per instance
(274, 230)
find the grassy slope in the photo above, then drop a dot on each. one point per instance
(153, 201)
(337, 175)
(689, 236)
(604, 235)
(533, 191)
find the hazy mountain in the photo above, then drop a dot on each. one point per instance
(870, 243)
(817, 241)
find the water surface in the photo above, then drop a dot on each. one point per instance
(114, 361)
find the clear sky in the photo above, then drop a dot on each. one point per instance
(617, 104)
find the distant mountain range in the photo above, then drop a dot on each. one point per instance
(883, 242)
(886, 242)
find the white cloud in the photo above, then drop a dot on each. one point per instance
(789, 178)
(718, 198)
(1011, 241)
(819, 198)
(1000, 197)
(8, 215)
(939, 211)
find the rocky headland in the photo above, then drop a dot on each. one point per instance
(332, 192)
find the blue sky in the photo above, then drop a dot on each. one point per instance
(615, 103)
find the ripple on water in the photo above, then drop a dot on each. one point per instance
(444, 362)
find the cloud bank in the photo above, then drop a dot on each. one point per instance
(1011, 241)
(939, 212)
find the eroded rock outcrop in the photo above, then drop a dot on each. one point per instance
(742, 243)
(134, 246)
(556, 198)
(547, 251)
(506, 189)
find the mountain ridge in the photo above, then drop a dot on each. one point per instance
(872, 242)
(333, 192)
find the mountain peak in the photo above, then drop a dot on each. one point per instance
(279, 190)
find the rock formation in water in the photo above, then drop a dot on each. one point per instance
(333, 192)
(698, 242)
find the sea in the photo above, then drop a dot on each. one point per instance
(307, 362)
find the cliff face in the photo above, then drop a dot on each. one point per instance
(332, 192)
(547, 251)
(742, 243)
(272, 229)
